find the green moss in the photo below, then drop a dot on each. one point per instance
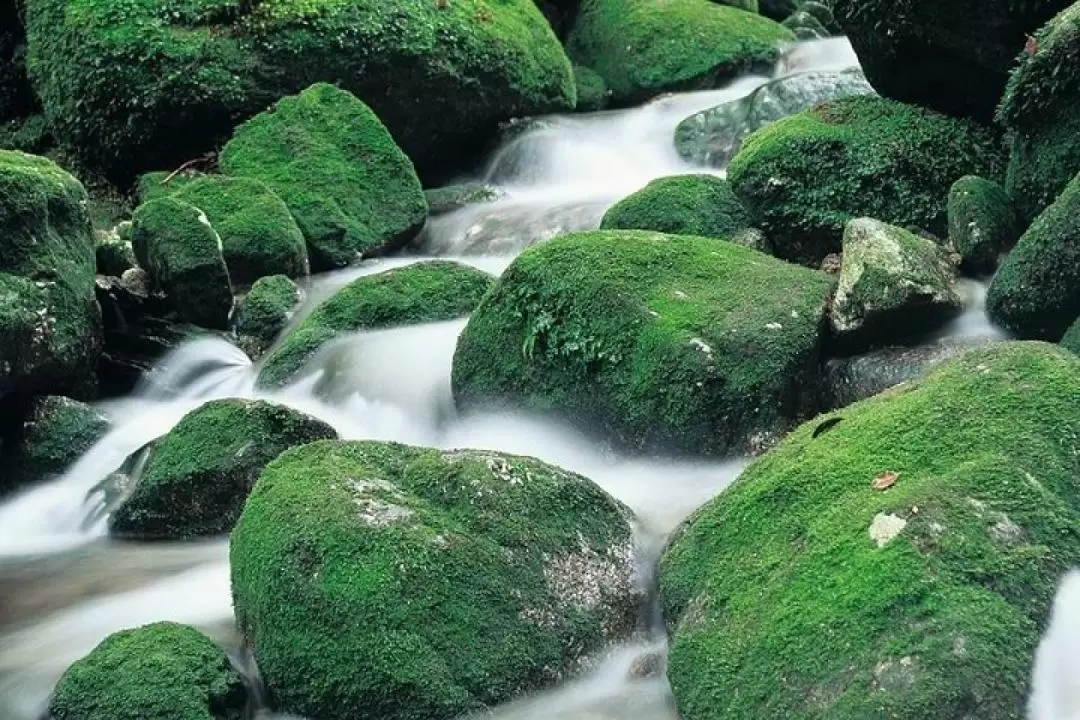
(162, 671)
(424, 292)
(658, 342)
(592, 91)
(174, 243)
(982, 223)
(113, 252)
(30, 135)
(164, 183)
(198, 476)
(641, 48)
(350, 188)
(1071, 340)
(681, 205)
(265, 312)
(454, 197)
(782, 605)
(380, 580)
(55, 433)
(805, 176)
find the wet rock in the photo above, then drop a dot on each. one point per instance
(56, 431)
(646, 666)
(832, 264)
(264, 313)
(454, 197)
(113, 252)
(701, 205)
(805, 26)
(982, 223)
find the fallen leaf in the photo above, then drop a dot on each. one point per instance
(886, 481)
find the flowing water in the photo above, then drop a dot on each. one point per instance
(64, 585)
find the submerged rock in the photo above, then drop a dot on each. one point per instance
(55, 432)
(265, 312)
(681, 205)
(454, 197)
(388, 581)
(982, 223)
(904, 534)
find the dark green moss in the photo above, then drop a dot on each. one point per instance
(265, 312)
(113, 252)
(657, 342)
(1071, 340)
(781, 603)
(198, 476)
(592, 91)
(162, 671)
(681, 205)
(805, 176)
(420, 293)
(982, 223)
(55, 433)
(29, 135)
(380, 580)
(641, 48)
(163, 183)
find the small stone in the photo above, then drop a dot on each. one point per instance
(885, 528)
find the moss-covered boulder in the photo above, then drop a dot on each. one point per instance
(642, 48)
(952, 56)
(1036, 291)
(148, 84)
(805, 176)
(681, 205)
(28, 134)
(113, 254)
(592, 91)
(893, 285)
(1071, 340)
(424, 292)
(895, 560)
(162, 671)
(54, 433)
(982, 223)
(713, 136)
(350, 188)
(454, 197)
(657, 342)
(387, 581)
(197, 477)
(264, 312)
(50, 324)
(175, 243)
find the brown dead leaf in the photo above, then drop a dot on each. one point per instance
(885, 481)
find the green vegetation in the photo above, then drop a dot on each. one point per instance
(982, 223)
(265, 312)
(56, 432)
(701, 205)
(592, 91)
(1071, 340)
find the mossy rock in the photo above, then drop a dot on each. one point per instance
(264, 313)
(747, 5)
(29, 135)
(592, 91)
(1036, 291)
(175, 244)
(655, 342)
(381, 580)
(701, 205)
(455, 197)
(805, 26)
(424, 292)
(1071, 340)
(55, 432)
(982, 223)
(953, 56)
(804, 177)
(50, 324)
(113, 253)
(351, 189)
(162, 671)
(159, 184)
(197, 476)
(641, 48)
(802, 591)
(149, 84)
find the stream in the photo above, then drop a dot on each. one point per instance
(64, 585)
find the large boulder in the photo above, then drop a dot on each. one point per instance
(380, 580)
(982, 223)
(149, 85)
(681, 205)
(424, 292)
(50, 323)
(162, 671)
(804, 177)
(1071, 340)
(264, 312)
(656, 342)
(197, 476)
(894, 560)
(642, 48)
(55, 432)
(350, 188)
(953, 56)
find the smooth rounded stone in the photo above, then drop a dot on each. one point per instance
(113, 253)
(55, 432)
(455, 197)
(381, 580)
(879, 561)
(264, 312)
(50, 323)
(701, 205)
(804, 177)
(953, 56)
(642, 49)
(351, 189)
(424, 292)
(1035, 294)
(440, 75)
(712, 137)
(805, 26)
(893, 285)
(592, 91)
(162, 671)
(197, 477)
(656, 343)
(982, 223)
(175, 243)
(1071, 339)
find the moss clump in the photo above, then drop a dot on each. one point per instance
(982, 223)
(592, 91)
(55, 432)
(1036, 292)
(113, 253)
(792, 595)
(1071, 340)
(424, 292)
(658, 342)
(641, 48)
(701, 205)
(175, 244)
(381, 580)
(350, 188)
(162, 671)
(454, 197)
(29, 135)
(197, 476)
(805, 176)
(265, 312)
